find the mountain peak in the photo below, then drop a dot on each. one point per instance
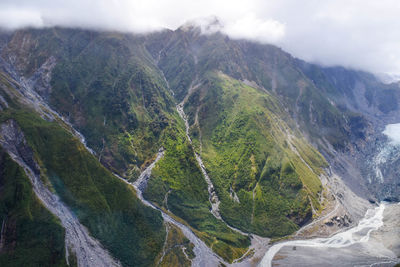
(205, 25)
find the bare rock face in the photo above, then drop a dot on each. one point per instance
(40, 80)
(12, 139)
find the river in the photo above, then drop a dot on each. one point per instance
(353, 242)
(372, 221)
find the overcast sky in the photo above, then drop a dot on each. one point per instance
(362, 34)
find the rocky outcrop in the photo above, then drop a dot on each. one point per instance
(12, 139)
(40, 80)
(339, 221)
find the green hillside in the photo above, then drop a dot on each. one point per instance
(249, 149)
(109, 208)
(31, 235)
(263, 122)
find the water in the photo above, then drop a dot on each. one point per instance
(372, 220)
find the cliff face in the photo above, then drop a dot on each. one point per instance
(14, 142)
(369, 158)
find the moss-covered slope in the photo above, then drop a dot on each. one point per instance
(113, 214)
(253, 111)
(250, 151)
(105, 83)
(30, 234)
(178, 185)
(132, 232)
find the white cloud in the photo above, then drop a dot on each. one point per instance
(393, 132)
(253, 28)
(11, 18)
(363, 34)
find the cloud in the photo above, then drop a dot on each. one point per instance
(393, 132)
(11, 18)
(256, 29)
(352, 33)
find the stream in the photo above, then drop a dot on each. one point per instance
(213, 197)
(204, 255)
(372, 220)
(88, 250)
(258, 243)
(351, 246)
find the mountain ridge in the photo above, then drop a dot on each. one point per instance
(253, 112)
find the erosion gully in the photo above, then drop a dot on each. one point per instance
(89, 251)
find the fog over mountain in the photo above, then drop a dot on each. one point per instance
(363, 35)
(212, 133)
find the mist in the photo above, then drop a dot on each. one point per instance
(393, 132)
(362, 35)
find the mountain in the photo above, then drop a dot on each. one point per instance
(228, 139)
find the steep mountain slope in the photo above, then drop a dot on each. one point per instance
(341, 112)
(141, 137)
(265, 66)
(110, 210)
(248, 134)
(258, 165)
(30, 234)
(105, 83)
(369, 105)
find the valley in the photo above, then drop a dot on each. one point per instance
(179, 148)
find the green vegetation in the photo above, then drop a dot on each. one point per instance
(178, 185)
(132, 232)
(107, 85)
(32, 236)
(245, 146)
(123, 105)
(175, 248)
(179, 65)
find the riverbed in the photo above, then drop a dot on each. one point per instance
(361, 245)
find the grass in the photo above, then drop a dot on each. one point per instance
(32, 235)
(123, 104)
(245, 148)
(110, 89)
